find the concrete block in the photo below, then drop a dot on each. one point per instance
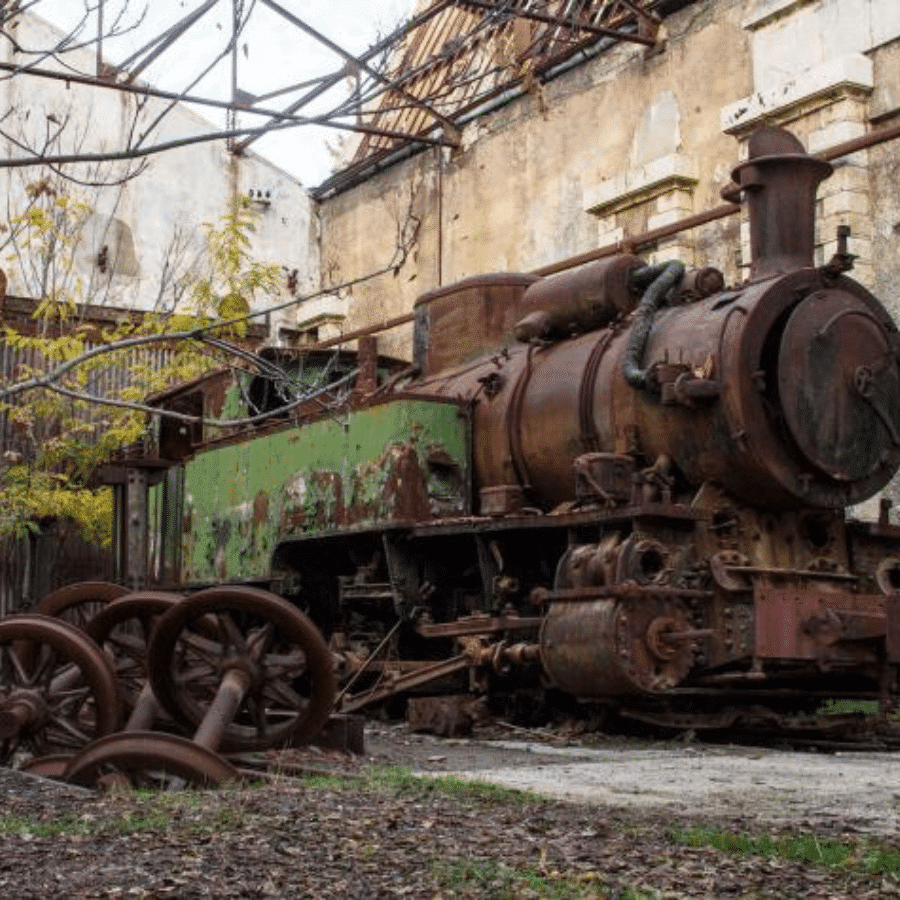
(763, 12)
(847, 176)
(610, 235)
(833, 134)
(845, 203)
(860, 229)
(885, 100)
(676, 199)
(846, 107)
(809, 36)
(664, 218)
(667, 252)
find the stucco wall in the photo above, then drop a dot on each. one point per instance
(178, 191)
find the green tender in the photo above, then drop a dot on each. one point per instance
(400, 461)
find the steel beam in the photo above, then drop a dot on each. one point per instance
(448, 124)
(163, 41)
(337, 77)
(571, 24)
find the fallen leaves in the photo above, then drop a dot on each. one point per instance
(350, 841)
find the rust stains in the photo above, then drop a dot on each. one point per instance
(260, 508)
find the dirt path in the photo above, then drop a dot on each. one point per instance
(846, 789)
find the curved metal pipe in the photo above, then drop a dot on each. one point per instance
(658, 280)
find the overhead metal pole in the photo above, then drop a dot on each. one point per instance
(282, 118)
(373, 51)
(163, 41)
(231, 117)
(99, 38)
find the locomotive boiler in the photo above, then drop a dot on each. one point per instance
(626, 485)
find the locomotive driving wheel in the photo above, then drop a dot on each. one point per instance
(57, 689)
(261, 641)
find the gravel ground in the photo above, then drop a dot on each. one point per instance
(776, 787)
(373, 837)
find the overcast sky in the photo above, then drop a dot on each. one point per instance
(273, 54)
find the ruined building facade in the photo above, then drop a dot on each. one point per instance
(628, 138)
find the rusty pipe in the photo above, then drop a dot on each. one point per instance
(540, 596)
(146, 711)
(662, 278)
(689, 634)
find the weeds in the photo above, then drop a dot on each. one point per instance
(397, 780)
(497, 880)
(843, 707)
(486, 878)
(15, 825)
(86, 825)
(633, 893)
(870, 858)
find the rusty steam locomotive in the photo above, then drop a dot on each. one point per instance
(626, 484)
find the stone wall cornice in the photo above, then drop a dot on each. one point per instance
(762, 12)
(850, 74)
(677, 171)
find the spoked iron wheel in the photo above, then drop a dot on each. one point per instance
(79, 603)
(270, 657)
(149, 759)
(57, 689)
(123, 629)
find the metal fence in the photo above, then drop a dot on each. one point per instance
(56, 554)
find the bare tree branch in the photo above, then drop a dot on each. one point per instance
(303, 397)
(70, 42)
(201, 333)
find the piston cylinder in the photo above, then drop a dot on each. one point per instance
(615, 647)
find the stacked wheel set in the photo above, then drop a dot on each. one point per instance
(102, 686)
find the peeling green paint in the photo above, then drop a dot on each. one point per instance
(404, 460)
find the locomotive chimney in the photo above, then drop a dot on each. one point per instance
(780, 180)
